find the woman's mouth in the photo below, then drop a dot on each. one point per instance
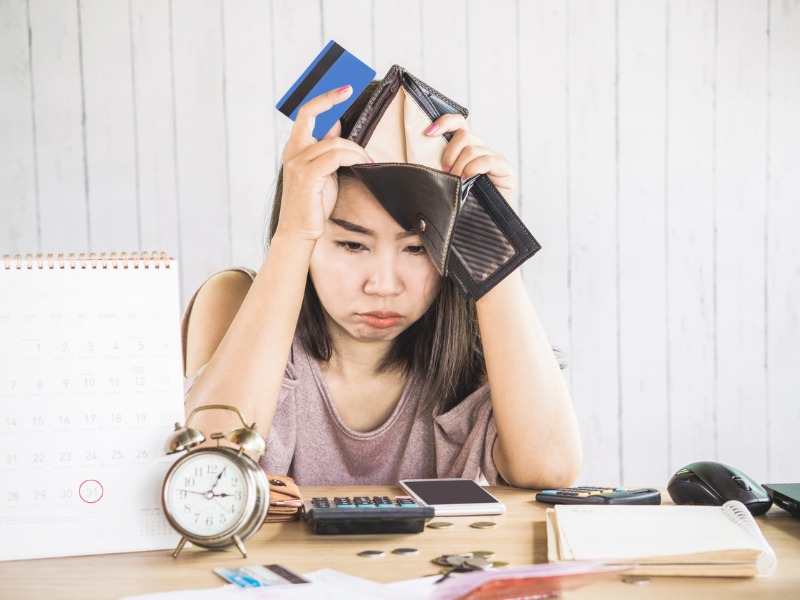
(382, 319)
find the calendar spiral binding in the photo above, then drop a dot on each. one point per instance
(91, 260)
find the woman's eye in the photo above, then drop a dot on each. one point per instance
(351, 246)
(416, 249)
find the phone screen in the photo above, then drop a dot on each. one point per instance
(453, 496)
(449, 491)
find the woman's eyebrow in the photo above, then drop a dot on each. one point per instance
(363, 230)
(351, 226)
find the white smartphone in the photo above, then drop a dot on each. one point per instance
(453, 496)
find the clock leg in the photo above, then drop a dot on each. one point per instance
(179, 548)
(240, 546)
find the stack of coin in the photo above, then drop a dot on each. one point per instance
(478, 560)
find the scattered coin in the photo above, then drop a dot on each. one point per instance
(456, 560)
(487, 554)
(483, 524)
(636, 580)
(440, 525)
(477, 564)
(371, 553)
(499, 564)
(408, 551)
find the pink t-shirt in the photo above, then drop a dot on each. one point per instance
(309, 442)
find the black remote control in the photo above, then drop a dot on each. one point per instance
(363, 514)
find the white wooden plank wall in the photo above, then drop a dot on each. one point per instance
(657, 145)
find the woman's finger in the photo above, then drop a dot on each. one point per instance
(466, 156)
(333, 144)
(303, 128)
(461, 140)
(446, 123)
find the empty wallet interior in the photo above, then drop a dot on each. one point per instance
(400, 135)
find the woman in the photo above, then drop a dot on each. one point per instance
(363, 364)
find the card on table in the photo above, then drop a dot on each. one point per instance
(259, 575)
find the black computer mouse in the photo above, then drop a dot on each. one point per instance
(714, 483)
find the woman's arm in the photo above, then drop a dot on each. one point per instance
(538, 443)
(243, 333)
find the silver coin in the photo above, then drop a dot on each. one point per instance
(477, 564)
(371, 553)
(636, 580)
(408, 551)
(440, 525)
(483, 524)
(456, 560)
(487, 554)
(499, 563)
(442, 560)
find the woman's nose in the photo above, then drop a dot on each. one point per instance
(383, 278)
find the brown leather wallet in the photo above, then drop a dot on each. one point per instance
(285, 502)
(467, 227)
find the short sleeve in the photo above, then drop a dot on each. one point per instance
(464, 438)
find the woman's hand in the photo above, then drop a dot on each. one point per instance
(466, 155)
(309, 168)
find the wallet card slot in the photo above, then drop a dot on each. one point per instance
(480, 245)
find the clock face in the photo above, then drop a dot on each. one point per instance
(207, 494)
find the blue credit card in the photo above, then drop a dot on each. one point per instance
(333, 68)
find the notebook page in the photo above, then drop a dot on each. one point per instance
(90, 388)
(634, 532)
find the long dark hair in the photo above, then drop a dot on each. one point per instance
(443, 348)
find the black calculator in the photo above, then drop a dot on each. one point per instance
(367, 514)
(599, 495)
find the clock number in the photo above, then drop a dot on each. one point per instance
(188, 481)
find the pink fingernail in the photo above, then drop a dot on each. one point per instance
(344, 89)
(432, 129)
(446, 169)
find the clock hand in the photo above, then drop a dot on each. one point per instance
(192, 492)
(216, 481)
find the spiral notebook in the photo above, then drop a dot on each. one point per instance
(717, 541)
(90, 388)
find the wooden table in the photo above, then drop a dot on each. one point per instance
(518, 539)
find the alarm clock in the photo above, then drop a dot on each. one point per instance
(216, 496)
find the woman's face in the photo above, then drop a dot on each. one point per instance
(373, 278)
